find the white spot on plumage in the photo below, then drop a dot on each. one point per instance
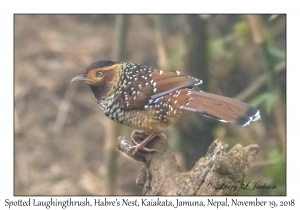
(198, 82)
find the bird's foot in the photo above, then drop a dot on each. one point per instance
(141, 146)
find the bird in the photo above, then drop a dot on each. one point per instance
(151, 100)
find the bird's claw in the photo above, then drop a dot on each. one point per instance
(138, 147)
(141, 146)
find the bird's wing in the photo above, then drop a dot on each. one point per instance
(144, 88)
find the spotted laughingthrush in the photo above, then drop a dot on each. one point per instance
(151, 100)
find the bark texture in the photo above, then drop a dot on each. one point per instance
(220, 172)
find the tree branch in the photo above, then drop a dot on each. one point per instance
(220, 172)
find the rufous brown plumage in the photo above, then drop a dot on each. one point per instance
(149, 99)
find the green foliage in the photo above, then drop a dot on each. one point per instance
(273, 171)
(241, 28)
(218, 46)
(177, 54)
(278, 167)
(266, 101)
(276, 53)
(241, 32)
(278, 158)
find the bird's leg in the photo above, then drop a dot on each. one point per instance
(139, 134)
(141, 146)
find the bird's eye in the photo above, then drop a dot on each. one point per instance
(99, 74)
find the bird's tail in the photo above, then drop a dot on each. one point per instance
(219, 107)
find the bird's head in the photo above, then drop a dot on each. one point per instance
(102, 76)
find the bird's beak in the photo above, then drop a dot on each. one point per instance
(78, 77)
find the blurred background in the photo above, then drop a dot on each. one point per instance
(64, 145)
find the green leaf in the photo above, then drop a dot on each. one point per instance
(265, 99)
(277, 53)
